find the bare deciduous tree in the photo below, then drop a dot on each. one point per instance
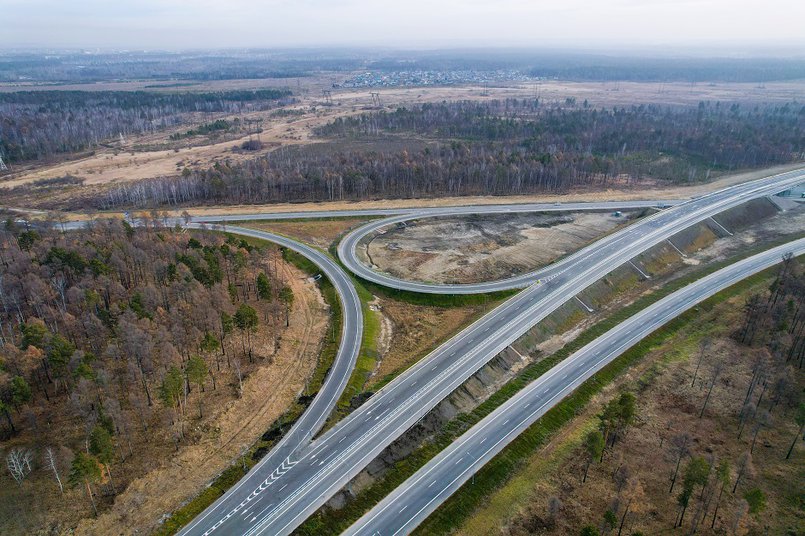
(717, 368)
(681, 447)
(763, 420)
(52, 463)
(18, 461)
(704, 346)
(744, 468)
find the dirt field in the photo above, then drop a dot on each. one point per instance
(408, 332)
(114, 165)
(475, 249)
(667, 405)
(319, 233)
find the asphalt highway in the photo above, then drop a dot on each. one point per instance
(313, 474)
(279, 459)
(223, 220)
(423, 492)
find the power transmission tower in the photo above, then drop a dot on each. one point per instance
(328, 97)
(3, 166)
(253, 131)
(376, 99)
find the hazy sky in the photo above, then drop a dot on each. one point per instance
(408, 23)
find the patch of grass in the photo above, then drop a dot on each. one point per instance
(571, 321)
(188, 512)
(518, 490)
(455, 328)
(367, 357)
(369, 354)
(437, 300)
(331, 343)
(304, 220)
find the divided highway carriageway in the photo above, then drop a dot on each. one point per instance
(275, 501)
(416, 498)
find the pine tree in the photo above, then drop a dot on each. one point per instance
(85, 471)
(102, 446)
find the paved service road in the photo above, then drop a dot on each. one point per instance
(276, 462)
(314, 474)
(434, 211)
(423, 492)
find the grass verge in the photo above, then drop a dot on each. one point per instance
(367, 357)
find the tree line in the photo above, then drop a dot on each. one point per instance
(41, 124)
(498, 148)
(114, 337)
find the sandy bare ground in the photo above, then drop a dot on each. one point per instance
(483, 248)
(112, 165)
(267, 393)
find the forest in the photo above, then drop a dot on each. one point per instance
(115, 341)
(164, 68)
(721, 136)
(37, 125)
(498, 148)
(714, 486)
